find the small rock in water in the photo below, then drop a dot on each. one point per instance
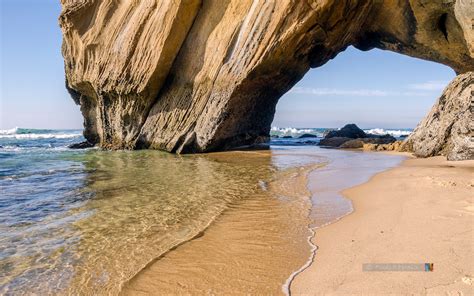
(307, 136)
(81, 145)
(287, 137)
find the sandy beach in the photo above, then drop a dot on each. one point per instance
(419, 212)
(237, 147)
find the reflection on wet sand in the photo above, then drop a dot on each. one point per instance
(145, 221)
(261, 242)
(253, 247)
(147, 202)
(136, 222)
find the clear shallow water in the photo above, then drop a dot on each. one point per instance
(345, 169)
(87, 221)
(254, 246)
(259, 245)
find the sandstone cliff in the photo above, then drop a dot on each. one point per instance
(195, 76)
(449, 127)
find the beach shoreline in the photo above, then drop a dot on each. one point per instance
(249, 234)
(335, 171)
(416, 212)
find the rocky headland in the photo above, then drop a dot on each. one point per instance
(197, 76)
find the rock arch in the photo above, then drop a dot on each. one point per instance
(197, 76)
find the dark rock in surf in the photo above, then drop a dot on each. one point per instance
(351, 136)
(348, 131)
(307, 136)
(81, 145)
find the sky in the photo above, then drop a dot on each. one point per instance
(372, 89)
(33, 93)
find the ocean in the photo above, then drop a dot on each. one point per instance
(89, 221)
(320, 132)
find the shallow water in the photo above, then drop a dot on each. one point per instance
(91, 221)
(345, 169)
(259, 245)
(87, 221)
(253, 246)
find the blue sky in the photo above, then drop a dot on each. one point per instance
(373, 89)
(32, 74)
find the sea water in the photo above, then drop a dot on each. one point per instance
(91, 221)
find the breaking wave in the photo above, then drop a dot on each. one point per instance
(296, 132)
(392, 132)
(27, 133)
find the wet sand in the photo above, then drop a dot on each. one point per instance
(419, 212)
(262, 242)
(146, 222)
(251, 248)
(345, 169)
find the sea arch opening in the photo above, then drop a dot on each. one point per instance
(378, 90)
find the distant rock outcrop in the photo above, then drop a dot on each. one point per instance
(196, 76)
(351, 136)
(449, 127)
(307, 136)
(348, 131)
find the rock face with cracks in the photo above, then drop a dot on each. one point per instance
(449, 127)
(197, 76)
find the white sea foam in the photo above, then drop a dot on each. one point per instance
(294, 132)
(40, 136)
(9, 131)
(291, 130)
(393, 132)
(31, 134)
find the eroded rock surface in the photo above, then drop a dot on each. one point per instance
(449, 127)
(197, 76)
